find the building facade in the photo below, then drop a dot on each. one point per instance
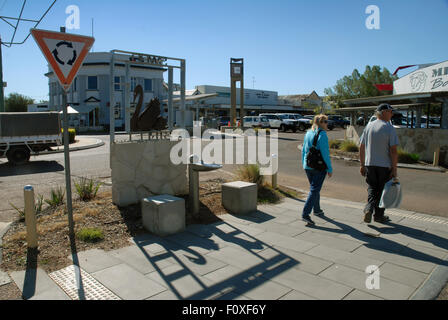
(89, 93)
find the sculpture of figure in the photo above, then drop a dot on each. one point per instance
(149, 118)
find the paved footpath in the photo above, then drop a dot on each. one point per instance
(269, 254)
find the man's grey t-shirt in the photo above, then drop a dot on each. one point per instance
(378, 137)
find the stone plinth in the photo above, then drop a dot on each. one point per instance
(144, 169)
(239, 197)
(163, 215)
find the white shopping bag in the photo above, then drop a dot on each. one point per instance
(392, 194)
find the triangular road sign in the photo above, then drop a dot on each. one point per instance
(64, 52)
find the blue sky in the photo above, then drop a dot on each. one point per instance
(289, 46)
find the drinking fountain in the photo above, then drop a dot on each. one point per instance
(194, 167)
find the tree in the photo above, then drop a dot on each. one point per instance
(359, 85)
(16, 102)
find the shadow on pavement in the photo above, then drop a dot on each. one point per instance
(382, 244)
(29, 283)
(33, 167)
(183, 249)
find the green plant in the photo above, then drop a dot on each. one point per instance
(56, 197)
(71, 135)
(90, 234)
(37, 207)
(349, 146)
(335, 144)
(39, 204)
(406, 157)
(87, 188)
(251, 173)
(20, 212)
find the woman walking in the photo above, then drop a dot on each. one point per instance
(316, 175)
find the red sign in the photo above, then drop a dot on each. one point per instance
(64, 52)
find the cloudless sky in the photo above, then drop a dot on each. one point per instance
(289, 46)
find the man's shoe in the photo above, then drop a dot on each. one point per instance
(367, 216)
(319, 214)
(308, 221)
(382, 219)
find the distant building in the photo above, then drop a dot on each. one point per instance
(90, 90)
(307, 103)
(39, 107)
(255, 101)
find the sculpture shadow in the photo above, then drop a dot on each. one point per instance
(32, 167)
(189, 249)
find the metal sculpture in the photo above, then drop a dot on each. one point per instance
(149, 119)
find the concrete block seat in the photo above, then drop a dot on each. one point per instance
(239, 197)
(163, 215)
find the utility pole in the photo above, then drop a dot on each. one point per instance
(2, 96)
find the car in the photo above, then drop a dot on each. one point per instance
(256, 121)
(339, 121)
(289, 122)
(304, 123)
(274, 120)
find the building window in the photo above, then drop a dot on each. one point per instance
(117, 111)
(133, 83)
(117, 83)
(148, 84)
(75, 85)
(92, 83)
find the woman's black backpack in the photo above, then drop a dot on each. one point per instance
(314, 158)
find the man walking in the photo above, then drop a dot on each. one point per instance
(379, 157)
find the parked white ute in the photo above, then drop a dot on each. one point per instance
(274, 120)
(255, 121)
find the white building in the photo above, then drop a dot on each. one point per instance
(89, 93)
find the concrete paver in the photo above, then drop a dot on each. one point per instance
(35, 284)
(360, 295)
(127, 283)
(95, 260)
(356, 279)
(4, 278)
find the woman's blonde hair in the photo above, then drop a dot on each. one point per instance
(318, 119)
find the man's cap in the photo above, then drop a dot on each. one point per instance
(384, 106)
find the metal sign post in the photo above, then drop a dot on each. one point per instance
(65, 53)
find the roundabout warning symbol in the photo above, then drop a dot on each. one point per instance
(64, 52)
(56, 53)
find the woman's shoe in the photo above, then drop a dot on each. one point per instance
(319, 214)
(308, 220)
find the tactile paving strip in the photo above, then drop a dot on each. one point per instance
(89, 287)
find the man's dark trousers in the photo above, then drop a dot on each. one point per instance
(376, 178)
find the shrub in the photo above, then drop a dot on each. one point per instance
(37, 207)
(406, 157)
(56, 197)
(251, 173)
(349, 146)
(87, 188)
(90, 235)
(335, 144)
(71, 135)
